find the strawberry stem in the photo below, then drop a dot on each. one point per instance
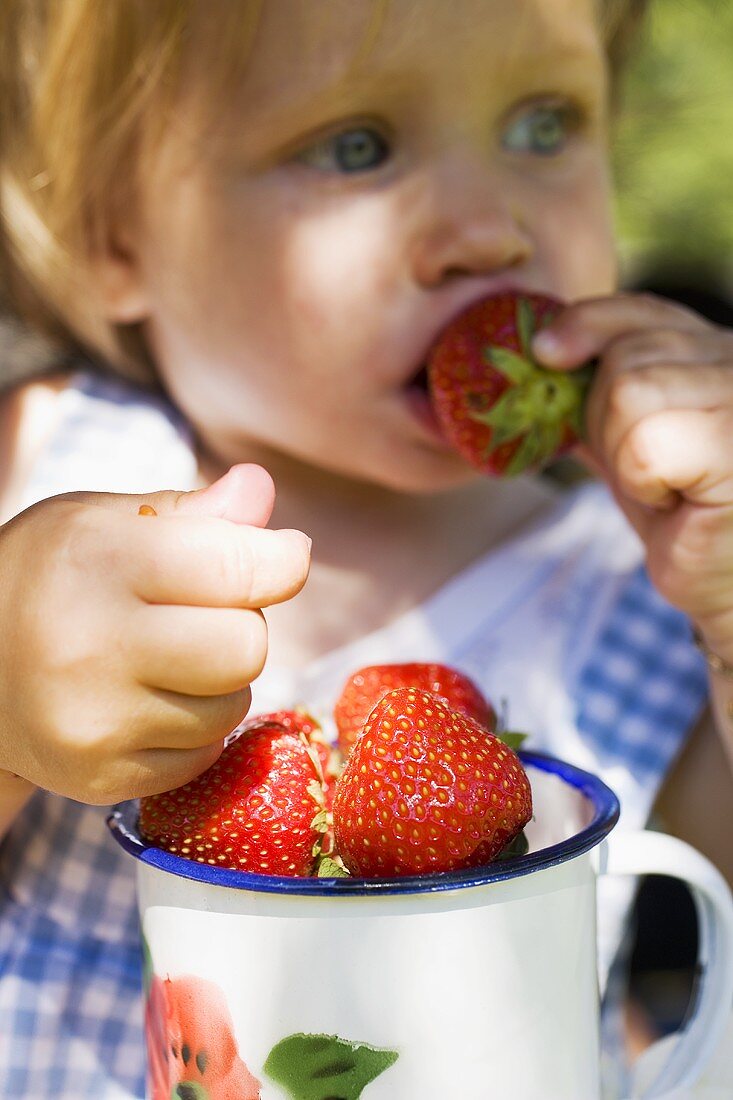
(539, 407)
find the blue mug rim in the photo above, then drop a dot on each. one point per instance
(123, 824)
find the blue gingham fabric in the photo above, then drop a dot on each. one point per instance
(562, 621)
(70, 1007)
(638, 679)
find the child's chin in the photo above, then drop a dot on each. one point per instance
(438, 476)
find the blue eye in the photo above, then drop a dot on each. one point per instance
(542, 130)
(359, 150)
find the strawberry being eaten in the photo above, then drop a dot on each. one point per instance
(496, 405)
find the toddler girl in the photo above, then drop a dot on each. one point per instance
(256, 219)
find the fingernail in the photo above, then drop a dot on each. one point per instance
(547, 347)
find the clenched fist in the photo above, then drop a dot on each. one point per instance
(130, 640)
(659, 423)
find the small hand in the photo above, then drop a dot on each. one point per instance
(130, 641)
(659, 422)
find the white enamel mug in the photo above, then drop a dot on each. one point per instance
(472, 985)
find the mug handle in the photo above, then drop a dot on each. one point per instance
(645, 852)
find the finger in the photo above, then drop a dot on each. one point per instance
(151, 771)
(581, 331)
(245, 494)
(207, 562)
(175, 720)
(172, 739)
(197, 650)
(665, 345)
(617, 402)
(679, 451)
(690, 559)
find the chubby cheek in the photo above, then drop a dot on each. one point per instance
(575, 241)
(337, 281)
(275, 284)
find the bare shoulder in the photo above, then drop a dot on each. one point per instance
(28, 414)
(696, 801)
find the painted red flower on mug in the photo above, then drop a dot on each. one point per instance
(156, 1020)
(191, 1043)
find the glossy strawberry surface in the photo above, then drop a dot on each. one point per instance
(363, 690)
(300, 721)
(329, 760)
(426, 789)
(255, 809)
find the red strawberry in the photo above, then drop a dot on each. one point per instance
(329, 759)
(426, 789)
(501, 410)
(366, 687)
(300, 721)
(258, 808)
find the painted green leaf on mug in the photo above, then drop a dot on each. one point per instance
(325, 1067)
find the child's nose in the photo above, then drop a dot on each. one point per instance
(465, 225)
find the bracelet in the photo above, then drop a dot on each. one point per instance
(715, 663)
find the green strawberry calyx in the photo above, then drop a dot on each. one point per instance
(513, 738)
(539, 407)
(330, 867)
(517, 846)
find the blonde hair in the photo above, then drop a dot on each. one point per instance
(83, 84)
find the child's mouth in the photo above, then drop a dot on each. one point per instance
(418, 397)
(420, 380)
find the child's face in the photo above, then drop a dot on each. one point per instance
(293, 267)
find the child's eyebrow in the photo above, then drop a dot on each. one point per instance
(342, 91)
(549, 64)
(316, 107)
(548, 54)
(579, 68)
(395, 85)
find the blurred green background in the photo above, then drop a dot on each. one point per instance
(673, 147)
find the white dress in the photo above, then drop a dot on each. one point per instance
(562, 622)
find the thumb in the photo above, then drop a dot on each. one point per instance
(245, 494)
